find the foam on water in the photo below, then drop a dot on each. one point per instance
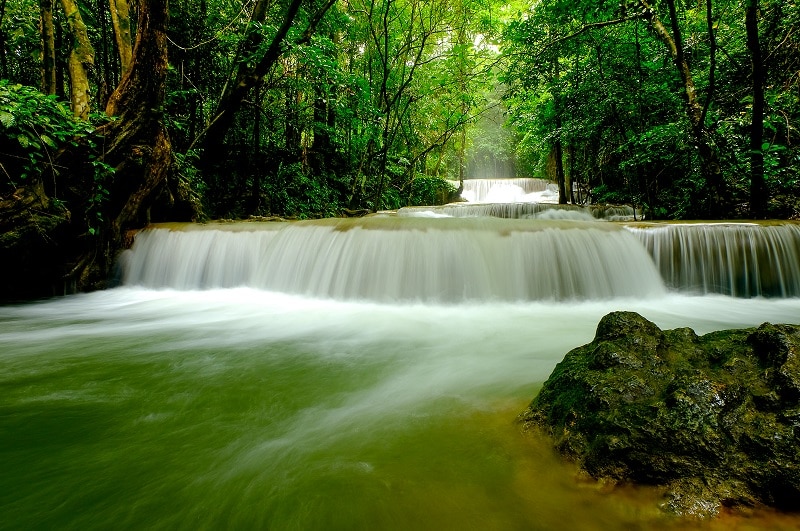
(403, 259)
(264, 377)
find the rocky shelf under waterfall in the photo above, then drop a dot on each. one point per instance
(714, 419)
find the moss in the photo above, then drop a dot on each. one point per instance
(715, 419)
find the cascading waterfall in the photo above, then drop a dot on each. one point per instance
(463, 259)
(263, 376)
(738, 259)
(507, 190)
(403, 259)
(529, 210)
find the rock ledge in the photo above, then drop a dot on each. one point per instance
(715, 419)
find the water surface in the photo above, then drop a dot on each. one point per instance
(248, 409)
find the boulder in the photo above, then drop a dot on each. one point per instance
(715, 419)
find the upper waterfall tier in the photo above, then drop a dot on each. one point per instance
(525, 211)
(401, 259)
(508, 190)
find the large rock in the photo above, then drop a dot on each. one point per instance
(715, 419)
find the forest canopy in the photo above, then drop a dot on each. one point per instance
(114, 113)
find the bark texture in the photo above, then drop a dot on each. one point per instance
(120, 19)
(138, 146)
(81, 60)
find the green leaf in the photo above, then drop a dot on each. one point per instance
(7, 119)
(24, 141)
(49, 141)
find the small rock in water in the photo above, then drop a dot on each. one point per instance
(714, 419)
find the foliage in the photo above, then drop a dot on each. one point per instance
(601, 81)
(305, 197)
(22, 53)
(361, 104)
(430, 191)
(35, 129)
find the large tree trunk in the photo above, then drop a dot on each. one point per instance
(120, 19)
(758, 189)
(81, 59)
(138, 145)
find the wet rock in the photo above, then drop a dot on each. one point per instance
(714, 419)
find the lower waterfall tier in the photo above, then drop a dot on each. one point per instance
(463, 259)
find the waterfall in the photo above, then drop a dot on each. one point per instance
(258, 407)
(402, 259)
(738, 259)
(525, 210)
(408, 258)
(507, 190)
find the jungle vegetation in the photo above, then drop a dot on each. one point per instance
(115, 113)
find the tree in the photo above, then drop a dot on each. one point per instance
(138, 146)
(640, 130)
(48, 47)
(81, 60)
(758, 192)
(710, 166)
(254, 62)
(120, 19)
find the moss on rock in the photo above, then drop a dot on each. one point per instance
(715, 419)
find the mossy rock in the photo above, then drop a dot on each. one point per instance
(715, 419)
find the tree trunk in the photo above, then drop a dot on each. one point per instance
(120, 19)
(76, 250)
(137, 143)
(248, 75)
(48, 46)
(557, 147)
(81, 59)
(3, 56)
(559, 160)
(758, 189)
(709, 158)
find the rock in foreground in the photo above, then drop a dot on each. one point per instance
(715, 419)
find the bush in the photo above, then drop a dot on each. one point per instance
(430, 191)
(36, 129)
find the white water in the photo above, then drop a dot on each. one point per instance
(739, 259)
(525, 210)
(187, 403)
(509, 190)
(472, 259)
(404, 259)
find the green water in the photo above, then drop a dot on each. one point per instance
(238, 409)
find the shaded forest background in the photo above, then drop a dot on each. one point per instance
(115, 113)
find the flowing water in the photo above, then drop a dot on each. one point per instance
(333, 375)
(525, 210)
(517, 190)
(525, 198)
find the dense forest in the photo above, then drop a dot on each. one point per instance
(115, 113)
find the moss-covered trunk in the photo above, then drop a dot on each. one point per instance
(63, 220)
(137, 143)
